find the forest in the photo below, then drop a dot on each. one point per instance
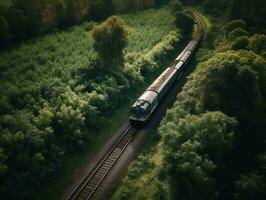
(59, 83)
(61, 79)
(24, 19)
(211, 143)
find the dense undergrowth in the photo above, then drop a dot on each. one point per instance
(55, 98)
(212, 142)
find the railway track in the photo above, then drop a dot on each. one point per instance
(88, 186)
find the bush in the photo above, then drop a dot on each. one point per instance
(184, 21)
(257, 43)
(240, 43)
(161, 2)
(100, 9)
(230, 26)
(251, 186)
(210, 38)
(238, 32)
(4, 31)
(175, 6)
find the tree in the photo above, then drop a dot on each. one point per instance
(238, 32)
(110, 38)
(184, 21)
(100, 9)
(240, 43)
(234, 83)
(238, 9)
(33, 11)
(17, 22)
(250, 186)
(257, 43)
(176, 6)
(194, 145)
(238, 23)
(161, 2)
(4, 32)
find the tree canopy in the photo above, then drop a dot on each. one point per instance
(110, 38)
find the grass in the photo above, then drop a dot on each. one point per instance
(58, 55)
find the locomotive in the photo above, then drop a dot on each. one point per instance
(143, 108)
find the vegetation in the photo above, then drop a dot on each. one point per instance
(110, 38)
(54, 98)
(28, 18)
(212, 142)
(56, 92)
(185, 22)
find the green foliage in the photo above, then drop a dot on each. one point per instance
(212, 141)
(100, 9)
(110, 38)
(184, 21)
(234, 24)
(161, 2)
(176, 6)
(240, 43)
(210, 37)
(142, 65)
(212, 131)
(238, 32)
(186, 141)
(252, 11)
(250, 186)
(54, 98)
(4, 32)
(127, 5)
(257, 43)
(235, 81)
(200, 145)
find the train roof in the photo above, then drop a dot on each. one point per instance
(160, 82)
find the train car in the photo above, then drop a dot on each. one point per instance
(143, 108)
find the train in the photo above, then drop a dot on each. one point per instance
(145, 105)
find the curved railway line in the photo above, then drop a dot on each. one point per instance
(90, 183)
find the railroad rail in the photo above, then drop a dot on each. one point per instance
(89, 184)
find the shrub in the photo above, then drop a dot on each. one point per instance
(100, 9)
(4, 32)
(161, 2)
(184, 21)
(239, 23)
(238, 32)
(210, 37)
(240, 43)
(257, 43)
(175, 6)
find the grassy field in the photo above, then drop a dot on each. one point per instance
(58, 55)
